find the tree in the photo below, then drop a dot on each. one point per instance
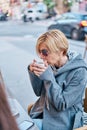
(50, 6)
(64, 5)
(67, 4)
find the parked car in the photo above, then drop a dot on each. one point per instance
(32, 14)
(3, 16)
(73, 25)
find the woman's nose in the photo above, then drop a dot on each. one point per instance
(42, 56)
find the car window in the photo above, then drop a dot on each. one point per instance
(85, 17)
(72, 16)
(40, 11)
(62, 17)
(30, 11)
(81, 17)
(67, 16)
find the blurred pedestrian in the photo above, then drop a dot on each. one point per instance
(60, 84)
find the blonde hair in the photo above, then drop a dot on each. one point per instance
(54, 40)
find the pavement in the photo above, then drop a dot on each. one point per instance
(13, 65)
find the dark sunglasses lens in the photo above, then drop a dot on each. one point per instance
(44, 52)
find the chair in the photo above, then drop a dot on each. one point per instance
(85, 101)
(82, 128)
(29, 108)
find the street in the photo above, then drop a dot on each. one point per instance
(17, 50)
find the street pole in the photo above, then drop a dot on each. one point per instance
(85, 47)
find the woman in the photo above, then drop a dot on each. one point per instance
(60, 83)
(7, 121)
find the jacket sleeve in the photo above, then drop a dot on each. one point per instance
(36, 83)
(73, 92)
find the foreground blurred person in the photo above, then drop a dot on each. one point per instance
(60, 83)
(7, 121)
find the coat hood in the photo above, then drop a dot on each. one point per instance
(75, 61)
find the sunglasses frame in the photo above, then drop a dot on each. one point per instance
(44, 52)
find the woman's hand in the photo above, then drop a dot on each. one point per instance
(38, 68)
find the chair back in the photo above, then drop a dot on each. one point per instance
(85, 101)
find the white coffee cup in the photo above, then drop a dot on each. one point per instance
(40, 63)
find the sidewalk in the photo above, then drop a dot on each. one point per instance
(13, 65)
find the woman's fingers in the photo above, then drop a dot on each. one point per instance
(38, 68)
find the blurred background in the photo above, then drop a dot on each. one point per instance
(14, 9)
(21, 23)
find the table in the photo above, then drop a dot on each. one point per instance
(22, 115)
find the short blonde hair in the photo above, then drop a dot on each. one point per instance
(54, 40)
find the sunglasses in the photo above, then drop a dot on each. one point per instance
(44, 52)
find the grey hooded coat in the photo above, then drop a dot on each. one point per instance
(62, 91)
